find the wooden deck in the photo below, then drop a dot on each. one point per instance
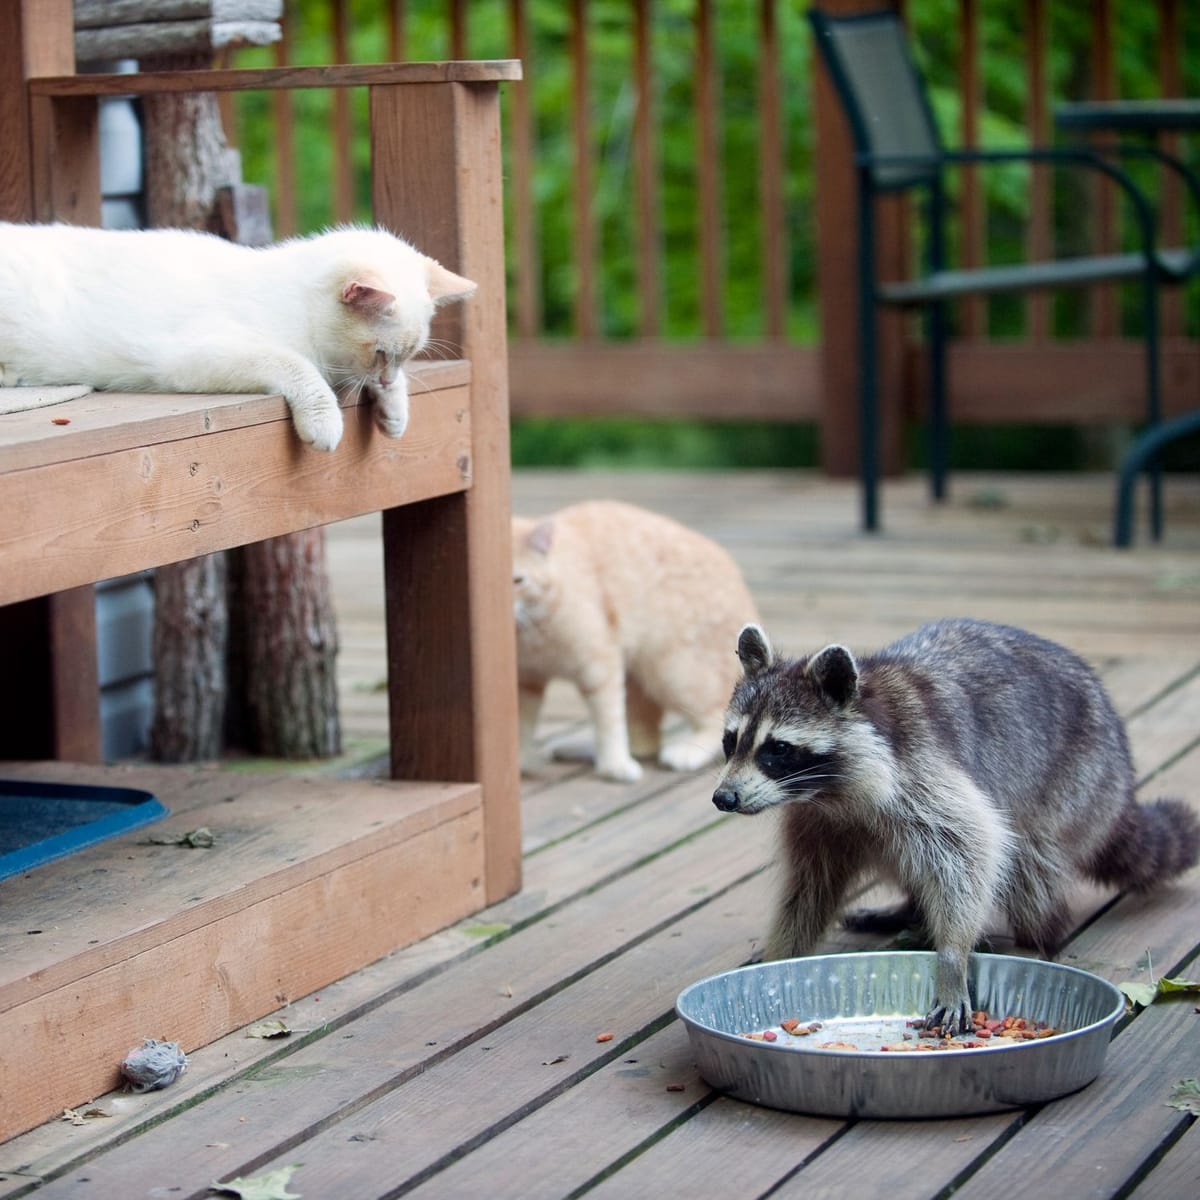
(468, 1064)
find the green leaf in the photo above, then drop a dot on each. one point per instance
(1140, 993)
(1186, 1096)
(1147, 993)
(1167, 986)
(487, 931)
(271, 1186)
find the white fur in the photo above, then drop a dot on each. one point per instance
(179, 311)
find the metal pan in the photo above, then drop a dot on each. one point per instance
(865, 999)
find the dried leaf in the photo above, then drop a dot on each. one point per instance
(271, 1186)
(194, 839)
(80, 1116)
(272, 1028)
(1186, 1096)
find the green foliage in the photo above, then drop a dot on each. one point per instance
(608, 442)
(611, 103)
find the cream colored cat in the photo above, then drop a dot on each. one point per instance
(178, 311)
(637, 611)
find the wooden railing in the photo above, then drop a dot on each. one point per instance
(699, 264)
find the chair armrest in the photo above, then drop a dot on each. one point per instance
(1128, 150)
(1074, 156)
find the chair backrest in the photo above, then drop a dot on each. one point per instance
(877, 82)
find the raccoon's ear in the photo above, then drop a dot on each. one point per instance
(753, 650)
(835, 673)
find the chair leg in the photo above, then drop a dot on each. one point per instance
(1145, 450)
(938, 451)
(868, 350)
(1153, 404)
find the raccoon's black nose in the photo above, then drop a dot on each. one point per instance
(725, 800)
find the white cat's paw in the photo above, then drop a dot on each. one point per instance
(321, 429)
(620, 770)
(393, 426)
(391, 409)
(687, 756)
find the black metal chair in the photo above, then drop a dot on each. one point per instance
(897, 148)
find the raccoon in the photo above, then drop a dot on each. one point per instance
(973, 764)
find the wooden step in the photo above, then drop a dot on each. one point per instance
(310, 878)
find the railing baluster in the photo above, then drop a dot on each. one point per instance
(1170, 82)
(397, 32)
(586, 325)
(970, 85)
(287, 222)
(771, 167)
(458, 28)
(527, 296)
(1039, 236)
(1105, 317)
(649, 240)
(708, 167)
(343, 129)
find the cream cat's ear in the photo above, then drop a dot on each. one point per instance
(444, 286)
(367, 299)
(541, 536)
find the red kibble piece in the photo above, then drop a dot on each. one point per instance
(604, 1037)
(60, 420)
(769, 1035)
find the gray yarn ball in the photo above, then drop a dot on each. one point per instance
(153, 1064)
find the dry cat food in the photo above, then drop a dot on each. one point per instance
(987, 1031)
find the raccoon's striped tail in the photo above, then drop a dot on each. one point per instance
(1149, 844)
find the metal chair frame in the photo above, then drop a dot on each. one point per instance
(888, 173)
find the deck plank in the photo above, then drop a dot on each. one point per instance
(632, 891)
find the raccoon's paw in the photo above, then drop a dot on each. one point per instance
(952, 1019)
(620, 770)
(687, 755)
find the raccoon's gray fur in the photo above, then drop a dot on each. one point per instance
(973, 764)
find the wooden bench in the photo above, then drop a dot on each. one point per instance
(310, 878)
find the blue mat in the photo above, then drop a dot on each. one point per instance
(40, 822)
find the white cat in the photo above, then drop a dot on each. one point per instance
(179, 311)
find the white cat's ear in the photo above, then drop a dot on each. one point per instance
(444, 286)
(365, 299)
(541, 537)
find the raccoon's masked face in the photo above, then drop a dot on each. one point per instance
(782, 728)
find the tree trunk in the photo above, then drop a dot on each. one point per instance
(190, 630)
(280, 686)
(187, 160)
(290, 648)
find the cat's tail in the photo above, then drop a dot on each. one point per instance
(1149, 845)
(22, 399)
